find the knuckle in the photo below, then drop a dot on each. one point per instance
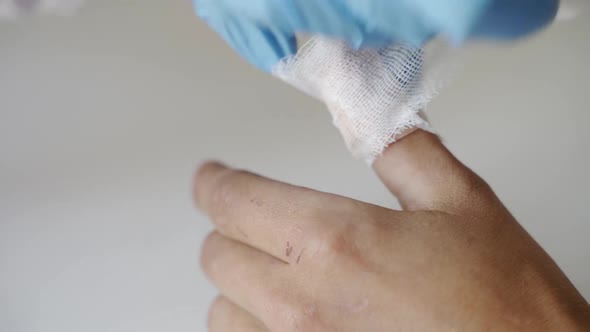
(340, 241)
(476, 193)
(469, 183)
(295, 316)
(477, 185)
(464, 192)
(348, 244)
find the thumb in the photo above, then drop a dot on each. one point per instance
(424, 175)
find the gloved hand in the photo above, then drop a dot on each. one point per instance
(263, 31)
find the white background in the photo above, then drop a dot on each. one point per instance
(104, 117)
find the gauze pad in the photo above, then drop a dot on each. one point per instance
(375, 96)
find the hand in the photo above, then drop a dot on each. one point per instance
(287, 258)
(263, 31)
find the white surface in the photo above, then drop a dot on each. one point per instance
(105, 116)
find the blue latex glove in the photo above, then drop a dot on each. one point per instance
(263, 31)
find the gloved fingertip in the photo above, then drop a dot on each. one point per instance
(510, 19)
(358, 40)
(199, 9)
(460, 35)
(454, 19)
(458, 39)
(275, 47)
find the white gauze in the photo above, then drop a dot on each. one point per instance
(375, 96)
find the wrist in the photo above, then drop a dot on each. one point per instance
(556, 303)
(570, 317)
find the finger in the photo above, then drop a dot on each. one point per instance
(421, 172)
(515, 19)
(282, 220)
(225, 316)
(249, 278)
(264, 45)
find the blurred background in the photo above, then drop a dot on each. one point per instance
(105, 116)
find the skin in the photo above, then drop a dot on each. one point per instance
(286, 258)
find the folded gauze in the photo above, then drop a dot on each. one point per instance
(375, 96)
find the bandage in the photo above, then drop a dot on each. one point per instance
(375, 96)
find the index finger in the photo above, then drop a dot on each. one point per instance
(277, 218)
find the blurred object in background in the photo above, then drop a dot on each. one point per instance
(570, 9)
(10, 9)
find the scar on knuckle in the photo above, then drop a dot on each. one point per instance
(298, 259)
(288, 249)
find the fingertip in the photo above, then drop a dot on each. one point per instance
(211, 166)
(206, 169)
(204, 175)
(454, 19)
(510, 19)
(274, 48)
(197, 8)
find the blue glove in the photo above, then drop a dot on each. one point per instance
(263, 31)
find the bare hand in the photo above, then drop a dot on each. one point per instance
(287, 258)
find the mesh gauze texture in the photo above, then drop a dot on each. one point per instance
(375, 96)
